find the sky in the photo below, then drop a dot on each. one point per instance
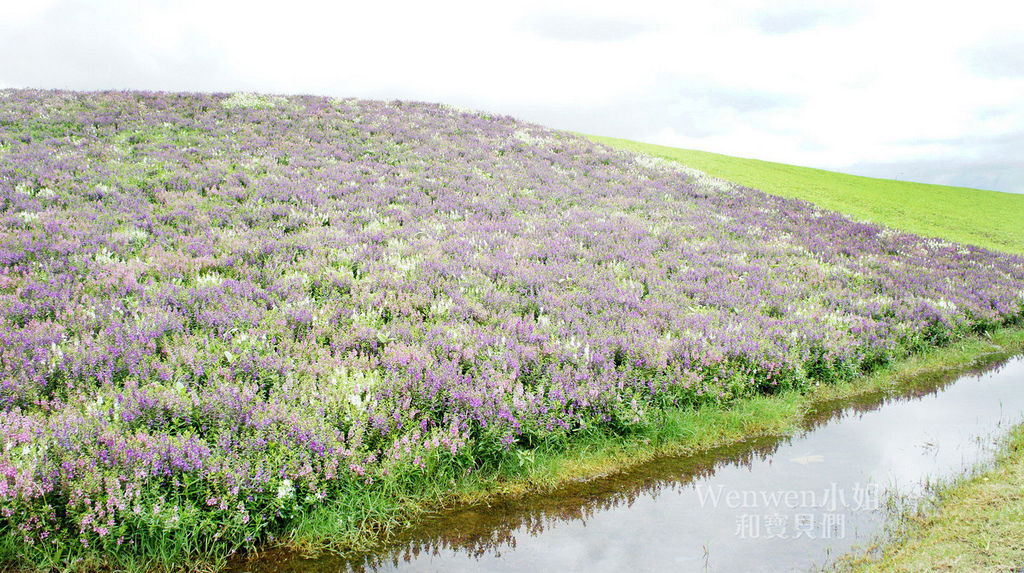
(921, 91)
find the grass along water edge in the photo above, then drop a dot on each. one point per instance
(366, 515)
(353, 525)
(973, 522)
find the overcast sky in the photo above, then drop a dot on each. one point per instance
(925, 91)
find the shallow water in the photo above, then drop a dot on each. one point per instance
(767, 504)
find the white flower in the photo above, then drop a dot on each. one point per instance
(248, 101)
(286, 489)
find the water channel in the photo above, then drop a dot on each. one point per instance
(767, 504)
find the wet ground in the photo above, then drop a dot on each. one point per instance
(766, 504)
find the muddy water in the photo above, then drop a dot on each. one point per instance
(763, 505)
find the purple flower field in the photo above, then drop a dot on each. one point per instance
(218, 311)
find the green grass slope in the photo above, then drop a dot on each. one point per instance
(984, 218)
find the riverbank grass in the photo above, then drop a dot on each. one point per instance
(972, 524)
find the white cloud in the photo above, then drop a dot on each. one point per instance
(21, 13)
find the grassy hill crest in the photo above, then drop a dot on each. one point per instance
(988, 219)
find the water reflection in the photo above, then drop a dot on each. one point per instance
(766, 504)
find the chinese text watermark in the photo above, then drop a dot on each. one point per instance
(792, 514)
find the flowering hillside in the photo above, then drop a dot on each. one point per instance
(216, 311)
